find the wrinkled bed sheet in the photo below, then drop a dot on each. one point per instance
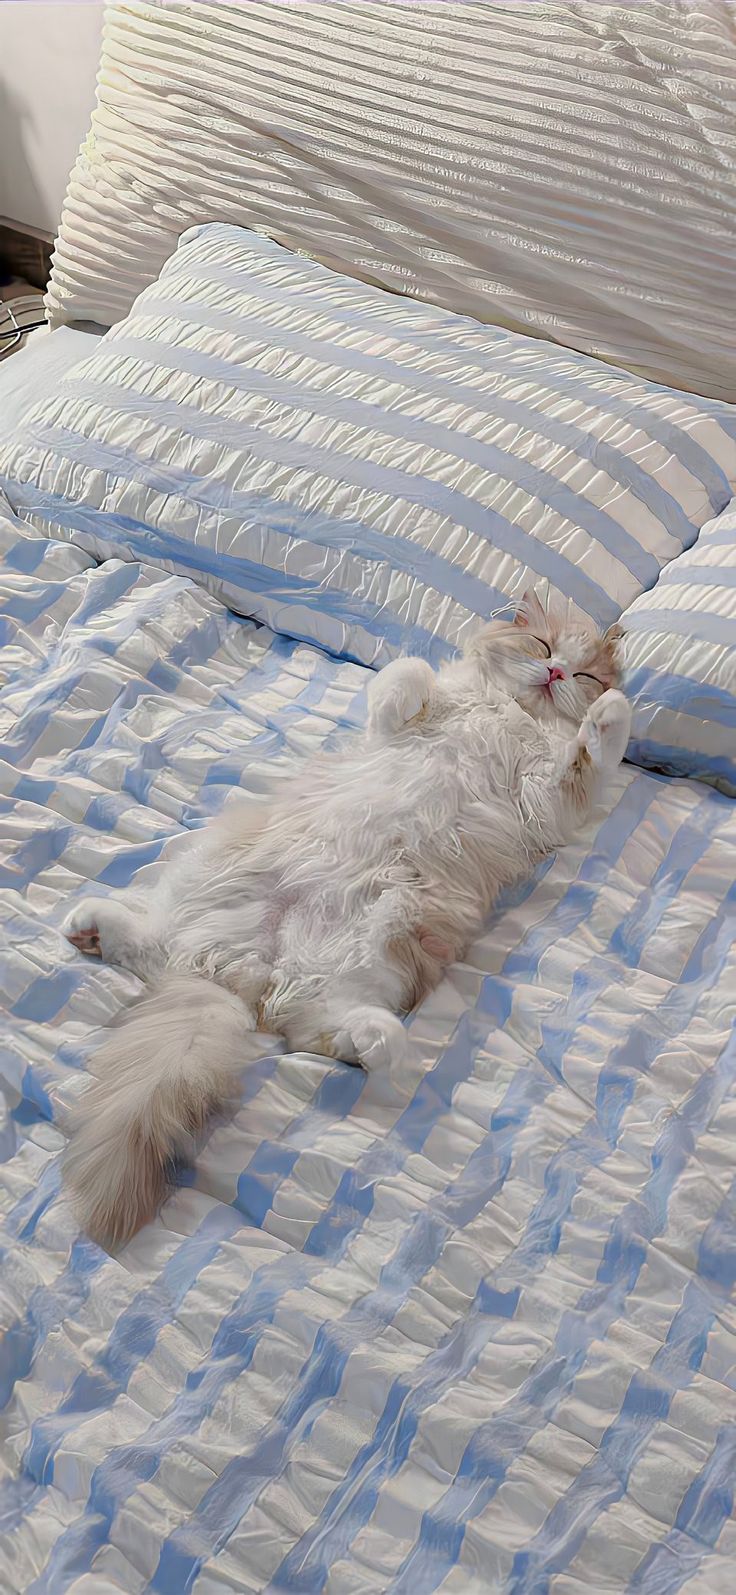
(467, 1329)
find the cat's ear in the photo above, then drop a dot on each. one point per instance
(614, 633)
(529, 612)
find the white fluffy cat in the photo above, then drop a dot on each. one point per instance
(325, 914)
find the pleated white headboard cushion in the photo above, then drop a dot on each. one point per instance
(565, 169)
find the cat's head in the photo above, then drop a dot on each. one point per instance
(554, 664)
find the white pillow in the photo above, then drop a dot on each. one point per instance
(680, 660)
(358, 470)
(557, 168)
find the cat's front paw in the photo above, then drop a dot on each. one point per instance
(606, 729)
(398, 694)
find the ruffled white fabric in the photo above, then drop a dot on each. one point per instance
(563, 169)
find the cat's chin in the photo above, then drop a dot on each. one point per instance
(540, 704)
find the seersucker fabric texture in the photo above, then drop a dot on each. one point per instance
(565, 169)
(370, 474)
(680, 662)
(470, 1329)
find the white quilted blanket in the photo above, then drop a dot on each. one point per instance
(469, 1329)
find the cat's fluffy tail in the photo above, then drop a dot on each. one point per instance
(170, 1063)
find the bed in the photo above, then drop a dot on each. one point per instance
(465, 1330)
(467, 1327)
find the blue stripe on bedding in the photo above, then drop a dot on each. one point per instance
(699, 623)
(656, 690)
(653, 753)
(688, 576)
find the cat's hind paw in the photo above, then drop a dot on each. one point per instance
(81, 929)
(371, 1037)
(103, 927)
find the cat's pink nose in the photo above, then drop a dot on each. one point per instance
(555, 674)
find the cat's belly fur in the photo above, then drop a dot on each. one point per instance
(367, 851)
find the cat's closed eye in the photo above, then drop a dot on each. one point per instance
(588, 685)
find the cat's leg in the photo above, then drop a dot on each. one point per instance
(599, 747)
(555, 798)
(355, 1032)
(118, 933)
(226, 931)
(397, 694)
(606, 729)
(192, 920)
(353, 1018)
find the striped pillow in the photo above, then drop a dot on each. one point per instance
(358, 470)
(680, 658)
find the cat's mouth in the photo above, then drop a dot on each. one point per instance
(554, 676)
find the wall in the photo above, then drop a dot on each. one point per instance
(48, 65)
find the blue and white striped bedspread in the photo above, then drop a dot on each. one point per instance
(468, 1330)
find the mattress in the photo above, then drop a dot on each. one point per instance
(31, 374)
(465, 1329)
